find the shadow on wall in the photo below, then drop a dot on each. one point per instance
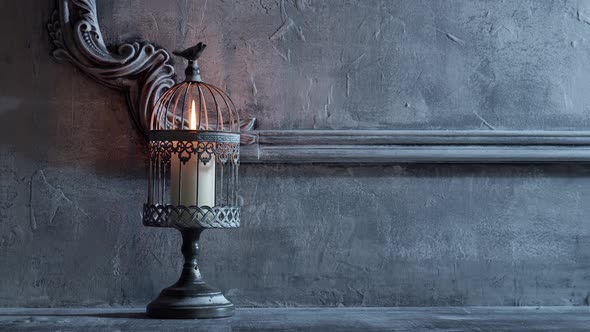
(88, 133)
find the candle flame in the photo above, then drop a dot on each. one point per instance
(193, 122)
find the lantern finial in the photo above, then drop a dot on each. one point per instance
(192, 53)
(192, 72)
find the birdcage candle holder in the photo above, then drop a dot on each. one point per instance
(194, 150)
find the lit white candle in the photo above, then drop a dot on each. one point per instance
(192, 183)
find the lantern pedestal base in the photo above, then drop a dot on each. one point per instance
(190, 297)
(196, 301)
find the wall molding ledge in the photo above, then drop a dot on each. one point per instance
(416, 146)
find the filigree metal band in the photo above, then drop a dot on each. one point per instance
(179, 216)
(162, 151)
(194, 135)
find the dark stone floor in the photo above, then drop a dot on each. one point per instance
(307, 319)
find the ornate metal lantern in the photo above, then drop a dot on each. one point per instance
(194, 150)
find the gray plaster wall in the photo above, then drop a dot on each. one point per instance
(72, 166)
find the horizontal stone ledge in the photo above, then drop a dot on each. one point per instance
(416, 146)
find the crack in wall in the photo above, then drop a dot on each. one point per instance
(45, 201)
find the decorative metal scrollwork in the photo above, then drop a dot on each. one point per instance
(179, 216)
(223, 152)
(193, 179)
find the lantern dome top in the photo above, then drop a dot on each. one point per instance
(194, 104)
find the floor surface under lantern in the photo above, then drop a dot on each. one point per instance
(306, 319)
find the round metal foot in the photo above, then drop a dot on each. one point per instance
(200, 301)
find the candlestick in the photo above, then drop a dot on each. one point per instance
(193, 182)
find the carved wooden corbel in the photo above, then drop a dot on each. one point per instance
(141, 70)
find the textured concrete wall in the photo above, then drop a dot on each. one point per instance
(72, 167)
